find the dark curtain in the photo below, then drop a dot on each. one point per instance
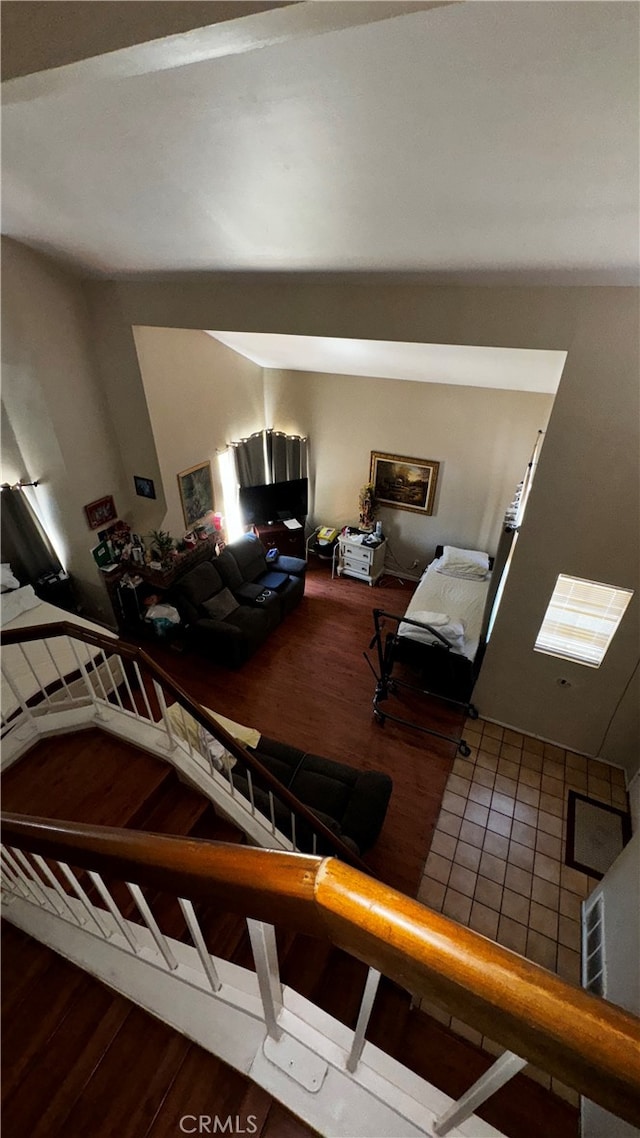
(270, 456)
(24, 544)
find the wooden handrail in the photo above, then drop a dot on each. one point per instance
(586, 1042)
(231, 744)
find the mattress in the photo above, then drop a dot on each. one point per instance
(31, 666)
(461, 599)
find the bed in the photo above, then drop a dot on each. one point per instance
(439, 636)
(52, 665)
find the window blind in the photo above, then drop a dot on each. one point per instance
(581, 620)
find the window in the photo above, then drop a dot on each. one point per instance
(581, 620)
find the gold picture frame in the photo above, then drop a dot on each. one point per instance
(404, 483)
(196, 492)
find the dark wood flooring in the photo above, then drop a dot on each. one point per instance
(79, 1059)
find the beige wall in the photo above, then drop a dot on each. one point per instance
(481, 437)
(59, 430)
(200, 396)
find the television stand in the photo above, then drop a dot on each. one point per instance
(276, 535)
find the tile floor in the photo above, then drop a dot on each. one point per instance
(496, 861)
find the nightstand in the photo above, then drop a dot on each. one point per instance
(366, 562)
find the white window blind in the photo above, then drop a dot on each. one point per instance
(581, 620)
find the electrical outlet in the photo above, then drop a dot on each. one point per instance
(414, 565)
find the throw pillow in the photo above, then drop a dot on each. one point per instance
(221, 606)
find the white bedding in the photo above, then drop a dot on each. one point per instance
(46, 670)
(461, 600)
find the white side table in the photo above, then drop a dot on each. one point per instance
(366, 562)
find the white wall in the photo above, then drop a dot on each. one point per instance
(56, 424)
(481, 437)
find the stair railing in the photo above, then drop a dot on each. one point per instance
(108, 674)
(586, 1042)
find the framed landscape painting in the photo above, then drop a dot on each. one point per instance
(196, 492)
(404, 483)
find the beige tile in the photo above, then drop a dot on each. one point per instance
(598, 788)
(458, 785)
(484, 777)
(468, 856)
(531, 761)
(576, 780)
(457, 906)
(570, 905)
(503, 803)
(509, 760)
(512, 935)
(619, 798)
(505, 785)
(476, 813)
(473, 834)
(438, 867)
(549, 845)
(575, 881)
(491, 747)
(551, 804)
(545, 893)
(499, 823)
(553, 752)
(472, 736)
(524, 834)
(512, 737)
(479, 794)
(526, 813)
(515, 906)
(522, 856)
(541, 949)
(597, 769)
(488, 893)
(554, 786)
(487, 760)
(462, 879)
(496, 844)
(519, 880)
(576, 762)
(493, 868)
(535, 746)
(547, 868)
(570, 933)
(528, 795)
(431, 893)
(454, 803)
(617, 777)
(566, 1093)
(444, 844)
(568, 964)
(466, 1032)
(549, 823)
(544, 920)
(553, 770)
(483, 920)
(530, 778)
(449, 823)
(493, 730)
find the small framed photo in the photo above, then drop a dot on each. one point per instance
(144, 487)
(196, 492)
(404, 483)
(101, 512)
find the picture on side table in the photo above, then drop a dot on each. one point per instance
(196, 492)
(100, 512)
(404, 483)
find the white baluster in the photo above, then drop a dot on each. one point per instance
(502, 1070)
(366, 1006)
(272, 811)
(198, 940)
(43, 898)
(265, 955)
(91, 910)
(143, 690)
(250, 785)
(23, 705)
(51, 877)
(123, 925)
(57, 669)
(165, 717)
(114, 685)
(152, 925)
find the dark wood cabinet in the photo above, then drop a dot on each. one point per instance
(289, 542)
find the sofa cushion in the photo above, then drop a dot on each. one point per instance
(228, 569)
(200, 583)
(220, 606)
(249, 554)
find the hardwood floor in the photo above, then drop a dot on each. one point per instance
(309, 685)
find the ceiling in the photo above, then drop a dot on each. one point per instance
(479, 140)
(510, 369)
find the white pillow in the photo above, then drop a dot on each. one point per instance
(470, 564)
(19, 601)
(7, 578)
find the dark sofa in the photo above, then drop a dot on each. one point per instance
(352, 803)
(230, 604)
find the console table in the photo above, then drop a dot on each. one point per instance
(366, 562)
(289, 542)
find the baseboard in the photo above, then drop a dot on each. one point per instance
(401, 576)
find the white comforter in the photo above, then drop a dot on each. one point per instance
(461, 600)
(20, 662)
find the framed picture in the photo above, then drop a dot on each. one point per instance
(196, 492)
(144, 487)
(404, 483)
(101, 512)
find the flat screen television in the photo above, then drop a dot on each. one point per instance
(275, 502)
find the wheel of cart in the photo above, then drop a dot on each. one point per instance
(464, 749)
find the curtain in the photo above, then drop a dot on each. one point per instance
(24, 543)
(270, 456)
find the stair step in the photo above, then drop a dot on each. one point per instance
(214, 828)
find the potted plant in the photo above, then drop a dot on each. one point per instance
(163, 544)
